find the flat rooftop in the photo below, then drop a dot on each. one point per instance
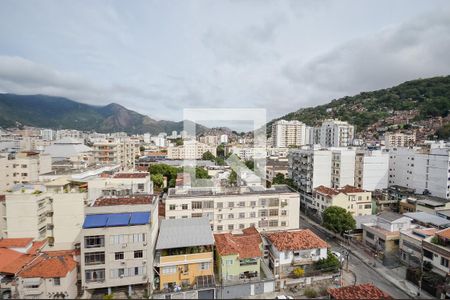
(199, 192)
(116, 220)
(130, 200)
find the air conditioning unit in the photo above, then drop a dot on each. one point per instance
(145, 244)
(122, 263)
(144, 261)
(121, 276)
(144, 277)
(124, 245)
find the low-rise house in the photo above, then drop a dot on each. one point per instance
(355, 200)
(184, 258)
(289, 249)
(48, 277)
(383, 237)
(411, 245)
(436, 250)
(239, 255)
(428, 220)
(360, 291)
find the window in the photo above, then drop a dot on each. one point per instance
(370, 235)
(196, 215)
(219, 227)
(138, 254)
(94, 258)
(118, 256)
(444, 262)
(242, 204)
(141, 186)
(230, 204)
(172, 207)
(184, 206)
(284, 212)
(283, 223)
(253, 203)
(367, 206)
(95, 275)
(273, 212)
(196, 205)
(95, 241)
(219, 204)
(274, 202)
(204, 266)
(273, 223)
(230, 216)
(56, 281)
(262, 202)
(229, 262)
(253, 214)
(208, 204)
(230, 227)
(263, 213)
(121, 272)
(241, 215)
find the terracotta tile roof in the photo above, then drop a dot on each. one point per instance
(326, 190)
(131, 200)
(332, 192)
(361, 291)
(15, 242)
(296, 240)
(74, 252)
(445, 233)
(245, 245)
(37, 246)
(131, 175)
(49, 266)
(12, 261)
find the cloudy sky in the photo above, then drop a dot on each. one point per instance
(158, 57)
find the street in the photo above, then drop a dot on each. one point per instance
(357, 268)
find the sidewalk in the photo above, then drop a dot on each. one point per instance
(390, 275)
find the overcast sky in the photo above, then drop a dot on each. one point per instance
(158, 57)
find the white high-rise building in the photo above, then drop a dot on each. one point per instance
(224, 139)
(147, 138)
(288, 133)
(190, 149)
(343, 168)
(48, 134)
(335, 133)
(371, 170)
(399, 139)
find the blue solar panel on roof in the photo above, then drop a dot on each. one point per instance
(93, 221)
(139, 218)
(118, 219)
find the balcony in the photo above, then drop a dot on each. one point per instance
(184, 256)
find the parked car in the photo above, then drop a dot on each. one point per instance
(339, 256)
(284, 297)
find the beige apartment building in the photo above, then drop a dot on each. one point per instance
(117, 243)
(53, 210)
(116, 150)
(24, 167)
(234, 209)
(355, 200)
(190, 149)
(398, 139)
(288, 133)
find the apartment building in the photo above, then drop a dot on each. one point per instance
(120, 184)
(384, 235)
(355, 200)
(184, 259)
(210, 140)
(191, 149)
(53, 210)
(411, 245)
(371, 170)
(24, 167)
(70, 149)
(342, 168)
(233, 209)
(335, 133)
(116, 150)
(398, 139)
(425, 171)
(290, 249)
(310, 168)
(288, 133)
(436, 250)
(275, 167)
(117, 243)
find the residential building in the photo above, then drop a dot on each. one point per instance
(184, 258)
(355, 200)
(310, 168)
(335, 133)
(428, 220)
(116, 151)
(210, 140)
(120, 184)
(383, 237)
(290, 249)
(71, 149)
(48, 277)
(53, 210)
(411, 245)
(371, 170)
(359, 291)
(239, 256)
(398, 139)
(230, 209)
(436, 250)
(190, 149)
(342, 168)
(288, 133)
(276, 166)
(117, 243)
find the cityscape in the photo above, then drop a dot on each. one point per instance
(143, 188)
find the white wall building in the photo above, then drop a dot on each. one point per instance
(190, 149)
(371, 170)
(288, 133)
(335, 133)
(398, 139)
(343, 168)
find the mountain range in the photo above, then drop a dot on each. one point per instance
(62, 113)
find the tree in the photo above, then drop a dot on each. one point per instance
(250, 164)
(141, 148)
(233, 177)
(220, 150)
(158, 180)
(279, 179)
(329, 264)
(298, 272)
(338, 219)
(208, 156)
